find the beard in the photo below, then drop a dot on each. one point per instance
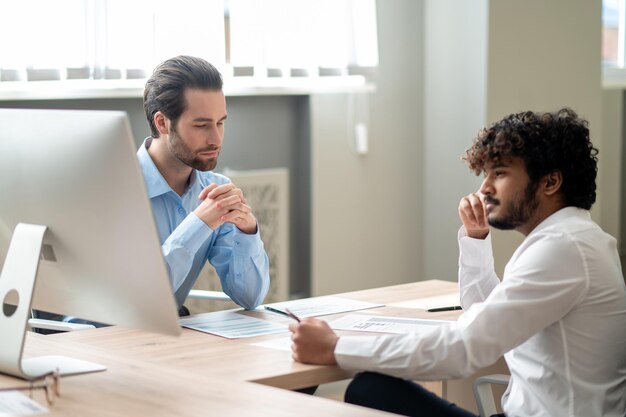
(184, 154)
(519, 211)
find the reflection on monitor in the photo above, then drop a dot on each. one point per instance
(76, 229)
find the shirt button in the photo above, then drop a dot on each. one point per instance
(237, 243)
(181, 210)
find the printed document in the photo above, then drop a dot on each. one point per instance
(15, 403)
(321, 306)
(231, 325)
(384, 324)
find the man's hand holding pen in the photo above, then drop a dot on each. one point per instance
(313, 341)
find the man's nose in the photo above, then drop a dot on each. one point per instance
(214, 136)
(486, 187)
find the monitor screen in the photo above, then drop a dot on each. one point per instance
(76, 173)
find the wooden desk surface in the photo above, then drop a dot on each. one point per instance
(198, 351)
(132, 387)
(199, 373)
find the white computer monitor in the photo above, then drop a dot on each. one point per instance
(83, 242)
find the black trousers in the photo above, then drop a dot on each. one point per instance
(399, 396)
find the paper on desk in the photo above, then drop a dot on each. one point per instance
(321, 306)
(384, 324)
(231, 324)
(282, 343)
(14, 403)
(430, 302)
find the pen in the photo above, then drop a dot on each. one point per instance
(434, 310)
(275, 310)
(293, 316)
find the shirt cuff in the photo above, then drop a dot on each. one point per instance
(244, 243)
(192, 232)
(474, 252)
(353, 353)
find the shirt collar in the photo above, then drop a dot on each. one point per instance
(155, 183)
(562, 215)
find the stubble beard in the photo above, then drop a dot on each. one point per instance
(519, 211)
(184, 154)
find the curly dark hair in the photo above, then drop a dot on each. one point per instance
(166, 87)
(546, 142)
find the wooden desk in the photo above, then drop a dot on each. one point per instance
(133, 387)
(199, 373)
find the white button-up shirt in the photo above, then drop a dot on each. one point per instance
(558, 317)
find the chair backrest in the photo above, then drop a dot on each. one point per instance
(483, 393)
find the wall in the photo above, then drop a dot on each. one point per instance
(366, 222)
(613, 153)
(455, 71)
(553, 65)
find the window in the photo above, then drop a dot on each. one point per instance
(117, 39)
(613, 46)
(610, 29)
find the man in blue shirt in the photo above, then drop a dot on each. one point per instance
(200, 215)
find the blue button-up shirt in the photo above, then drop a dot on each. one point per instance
(187, 242)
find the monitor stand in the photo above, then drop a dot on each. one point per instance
(17, 283)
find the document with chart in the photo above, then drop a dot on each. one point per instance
(384, 324)
(231, 324)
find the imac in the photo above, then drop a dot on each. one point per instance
(77, 234)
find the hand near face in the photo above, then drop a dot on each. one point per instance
(474, 216)
(225, 203)
(313, 342)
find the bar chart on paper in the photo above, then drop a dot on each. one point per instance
(384, 324)
(231, 324)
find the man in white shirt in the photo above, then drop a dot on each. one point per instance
(559, 314)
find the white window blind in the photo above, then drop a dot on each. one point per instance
(285, 37)
(118, 39)
(33, 38)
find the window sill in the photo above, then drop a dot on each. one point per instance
(235, 86)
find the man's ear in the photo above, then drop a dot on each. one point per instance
(162, 123)
(553, 182)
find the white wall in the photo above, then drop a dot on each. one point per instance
(543, 58)
(365, 213)
(612, 155)
(455, 76)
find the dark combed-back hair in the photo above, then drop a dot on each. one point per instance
(165, 89)
(546, 142)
